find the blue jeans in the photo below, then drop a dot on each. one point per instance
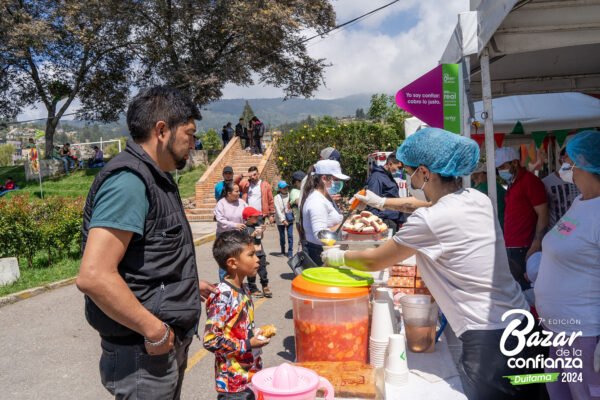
(68, 163)
(290, 238)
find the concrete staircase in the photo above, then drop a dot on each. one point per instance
(240, 160)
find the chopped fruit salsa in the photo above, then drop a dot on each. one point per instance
(332, 342)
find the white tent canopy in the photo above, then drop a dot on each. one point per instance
(544, 112)
(535, 46)
(511, 47)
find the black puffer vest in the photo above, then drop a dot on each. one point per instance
(159, 268)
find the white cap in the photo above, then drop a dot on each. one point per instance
(505, 154)
(330, 167)
(481, 167)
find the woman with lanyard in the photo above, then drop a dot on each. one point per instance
(318, 212)
(567, 288)
(461, 256)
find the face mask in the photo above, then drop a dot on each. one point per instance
(566, 172)
(335, 188)
(418, 194)
(505, 174)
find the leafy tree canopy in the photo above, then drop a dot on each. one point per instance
(59, 50)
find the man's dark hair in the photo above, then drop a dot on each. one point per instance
(253, 168)
(241, 119)
(160, 103)
(391, 159)
(10, 178)
(230, 244)
(66, 144)
(96, 148)
(255, 118)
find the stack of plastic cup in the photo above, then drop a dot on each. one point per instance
(384, 293)
(382, 326)
(396, 367)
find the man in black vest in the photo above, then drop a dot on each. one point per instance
(138, 269)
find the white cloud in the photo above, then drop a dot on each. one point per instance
(367, 60)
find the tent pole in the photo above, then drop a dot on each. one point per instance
(465, 81)
(488, 117)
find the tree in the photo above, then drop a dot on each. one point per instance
(201, 45)
(6, 154)
(360, 113)
(248, 113)
(383, 108)
(56, 50)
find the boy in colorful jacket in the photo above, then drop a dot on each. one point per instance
(230, 331)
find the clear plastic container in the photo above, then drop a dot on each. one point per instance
(331, 321)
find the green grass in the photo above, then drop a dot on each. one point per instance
(36, 276)
(78, 183)
(187, 181)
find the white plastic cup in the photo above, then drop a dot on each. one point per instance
(382, 325)
(382, 293)
(396, 361)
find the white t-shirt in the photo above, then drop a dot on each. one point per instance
(462, 258)
(255, 196)
(560, 197)
(318, 214)
(568, 282)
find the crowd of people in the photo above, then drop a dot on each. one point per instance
(144, 297)
(251, 135)
(72, 157)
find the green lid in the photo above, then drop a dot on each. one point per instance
(328, 276)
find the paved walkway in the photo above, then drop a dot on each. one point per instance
(200, 229)
(48, 351)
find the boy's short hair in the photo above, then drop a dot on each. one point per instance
(230, 244)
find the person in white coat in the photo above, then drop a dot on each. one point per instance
(461, 255)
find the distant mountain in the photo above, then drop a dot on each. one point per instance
(274, 112)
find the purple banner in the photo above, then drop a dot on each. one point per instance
(423, 98)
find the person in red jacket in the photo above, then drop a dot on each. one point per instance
(258, 194)
(525, 212)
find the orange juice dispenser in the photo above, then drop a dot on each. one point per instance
(331, 314)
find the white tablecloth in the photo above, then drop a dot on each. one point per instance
(433, 376)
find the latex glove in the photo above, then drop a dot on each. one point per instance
(333, 257)
(597, 358)
(371, 199)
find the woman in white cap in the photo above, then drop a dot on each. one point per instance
(460, 253)
(318, 212)
(567, 289)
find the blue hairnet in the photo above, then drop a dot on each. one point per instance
(584, 150)
(443, 152)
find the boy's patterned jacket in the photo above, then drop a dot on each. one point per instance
(229, 327)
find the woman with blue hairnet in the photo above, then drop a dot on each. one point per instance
(567, 289)
(460, 252)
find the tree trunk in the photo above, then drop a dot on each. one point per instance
(49, 133)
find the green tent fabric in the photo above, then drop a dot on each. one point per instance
(538, 138)
(560, 136)
(518, 129)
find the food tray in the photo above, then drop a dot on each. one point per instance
(364, 240)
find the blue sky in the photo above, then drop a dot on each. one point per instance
(379, 54)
